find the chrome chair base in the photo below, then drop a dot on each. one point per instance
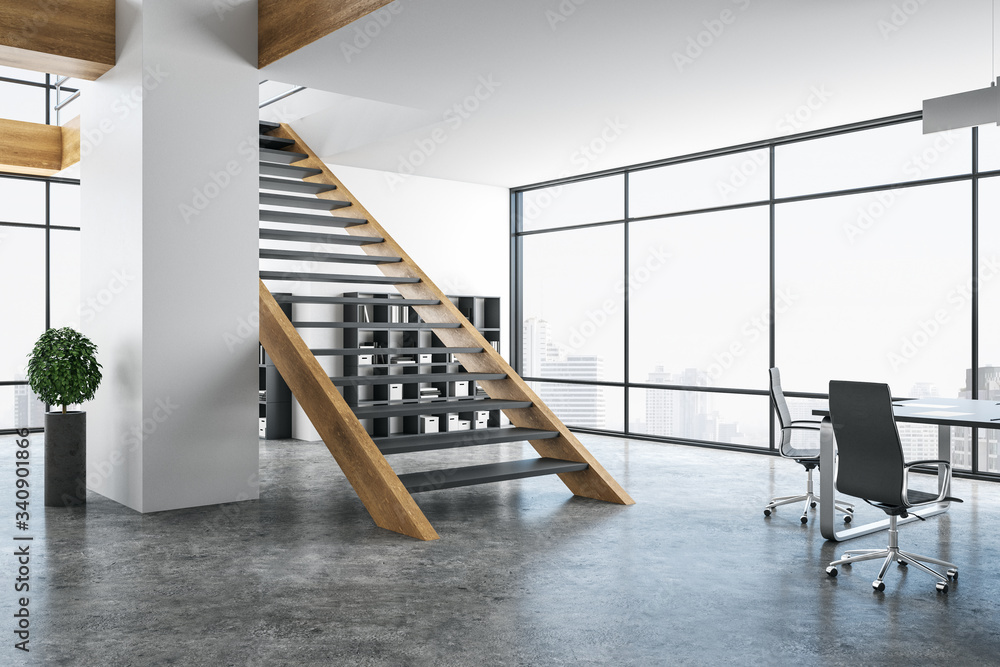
(892, 554)
(811, 500)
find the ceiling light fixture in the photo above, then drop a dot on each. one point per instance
(975, 107)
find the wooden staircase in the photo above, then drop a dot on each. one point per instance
(293, 178)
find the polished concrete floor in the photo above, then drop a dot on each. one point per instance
(524, 574)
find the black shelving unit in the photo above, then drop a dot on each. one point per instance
(401, 344)
(275, 399)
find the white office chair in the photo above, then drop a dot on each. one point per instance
(806, 457)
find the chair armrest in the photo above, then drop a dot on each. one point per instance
(817, 422)
(814, 427)
(907, 467)
(927, 462)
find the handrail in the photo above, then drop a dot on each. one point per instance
(278, 98)
(60, 103)
(67, 101)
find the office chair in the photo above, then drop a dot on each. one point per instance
(871, 467)
(807, 457)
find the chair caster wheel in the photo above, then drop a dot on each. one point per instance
(878, 585)
(767, 512)
(832, 571)
(942, 586)
(847, 518)
(813, 504)
(903, 563)
(804, 519)
(952, 574)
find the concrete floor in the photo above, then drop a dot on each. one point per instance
(524, 574)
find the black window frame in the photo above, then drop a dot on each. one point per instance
(517, 282)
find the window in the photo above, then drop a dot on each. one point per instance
(594, 200)
(713, 182)
(845, 254)
(698, 298)
(884, 303)
(894, 153)
(39, 253)
(22, 272)
(574, 305)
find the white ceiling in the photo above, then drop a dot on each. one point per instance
(565, 72)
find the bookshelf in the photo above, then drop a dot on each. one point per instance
(401, 343)
(274, 396)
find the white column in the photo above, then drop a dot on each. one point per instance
(169, 231)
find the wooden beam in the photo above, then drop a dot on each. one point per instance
(384, 496)
(67, 37)
(71, 143)
(594, 482)
(38, 150)
(284, 26)
(30, 148)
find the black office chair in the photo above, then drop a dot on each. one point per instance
(871, 466)
(807, 457)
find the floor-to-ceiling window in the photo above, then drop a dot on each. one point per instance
(651, 300)
(39, 248)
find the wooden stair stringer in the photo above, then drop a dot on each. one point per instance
(388, 502)
(594, 482)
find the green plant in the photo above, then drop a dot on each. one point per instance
(63, 368)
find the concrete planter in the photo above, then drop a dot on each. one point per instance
(65, 459)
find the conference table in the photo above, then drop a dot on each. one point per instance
(941, 412)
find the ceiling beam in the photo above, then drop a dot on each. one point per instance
(66, 37)
(36, 149)
(284, 26)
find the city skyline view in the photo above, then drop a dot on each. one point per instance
(693, 415)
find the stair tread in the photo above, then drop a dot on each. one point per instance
(268, 126)
(289, 185)
(294, 201)
(421, 365)
(378, 326)
(438, 406)
(448, 478)
(422, 442)
(364, 380)
(291, 171)
(316, 237)
(336, 278)
(352, 300)
(266, 141)
(355, 352)
(304, 255)
(280, 156)
(316, 220)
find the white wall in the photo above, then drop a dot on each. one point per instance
(111, 246)
(169, 182)
(456, 232)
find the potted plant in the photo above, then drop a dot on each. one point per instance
(63, 371)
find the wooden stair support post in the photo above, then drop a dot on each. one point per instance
(383, 495)
(594, 482)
